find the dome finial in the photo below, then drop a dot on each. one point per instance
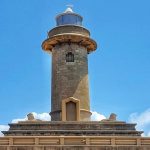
(69, 9)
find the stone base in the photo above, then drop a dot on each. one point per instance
(70, 128)
(59, 135)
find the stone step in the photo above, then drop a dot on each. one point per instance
(96, 128)
(73, 132)
(71, 126)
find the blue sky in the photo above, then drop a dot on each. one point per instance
(119, 70)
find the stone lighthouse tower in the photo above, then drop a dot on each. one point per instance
(69, 43)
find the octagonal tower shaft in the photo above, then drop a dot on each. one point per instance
(70, 44)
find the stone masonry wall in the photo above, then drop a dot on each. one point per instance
(69, 79)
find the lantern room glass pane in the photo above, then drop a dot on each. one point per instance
(71, 19)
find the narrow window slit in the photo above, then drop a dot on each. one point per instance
(69, 57)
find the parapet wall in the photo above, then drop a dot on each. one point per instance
(74, 143)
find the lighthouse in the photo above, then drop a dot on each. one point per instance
(69, 44)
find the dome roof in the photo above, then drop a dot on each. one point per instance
(68, 10)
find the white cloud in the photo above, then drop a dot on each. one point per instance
(97, 116)
(142, 120)
(148, 134)
(3, 128)
(42, 116)
(17, 120)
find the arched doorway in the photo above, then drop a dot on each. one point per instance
(71, 110)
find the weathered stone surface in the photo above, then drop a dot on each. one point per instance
(30, 117)
(76, 148)
(94, 128)
(3, 148)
